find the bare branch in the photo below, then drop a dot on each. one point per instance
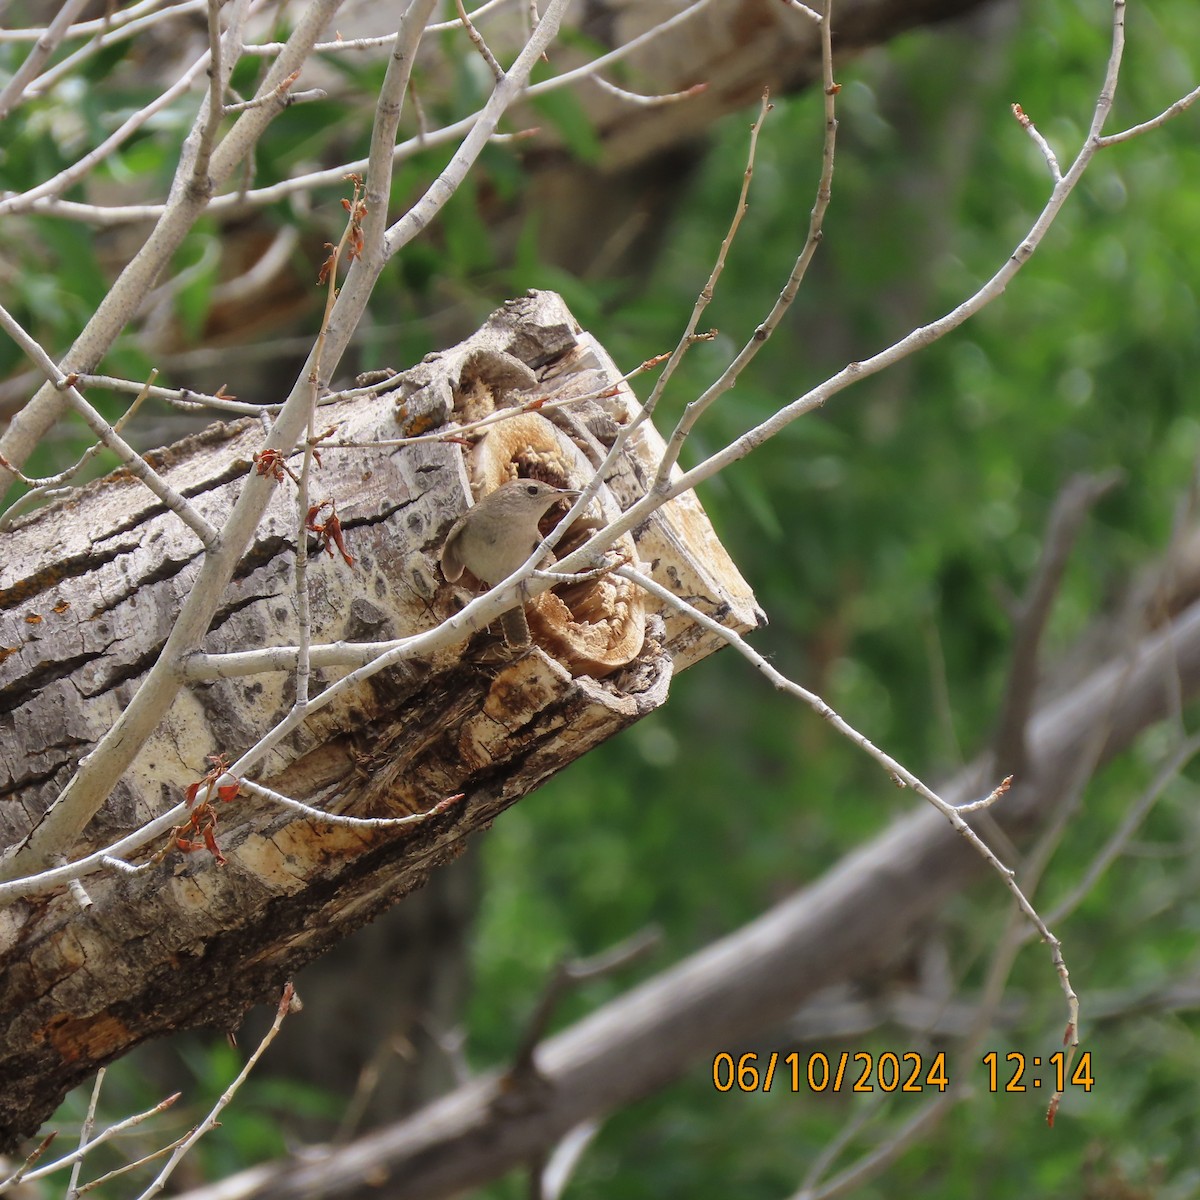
(45, 46)
(124, 25)
(133, 461)
(505, 93)
(425, 139)
(898, 773)
(216, 98)
(109, 22)
(85, 1134)
(69, 176)
(477, 41)
(269, 49)
(883, 1155)
(917, 339)
(281, 94)
(93, 781)
(698, 407)
(181, 211)
(210, 1122)
(706, 292)
(570, 974)
(387, 120)
(30, 1159)
(1180, 105)
(125, 1168)
(1121, 836)
(1030, 128)
(106, 1135)
(654, 101)
(317, 814)
(52, 487)
(183, 398)
(837, 928)
(811, 13)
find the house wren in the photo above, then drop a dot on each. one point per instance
(495, 537)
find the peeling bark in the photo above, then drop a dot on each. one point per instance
(88, 591)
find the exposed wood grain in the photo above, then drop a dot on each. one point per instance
(88, 590)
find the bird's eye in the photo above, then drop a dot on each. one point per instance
(531, 489)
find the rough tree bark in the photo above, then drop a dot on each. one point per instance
(87, 593)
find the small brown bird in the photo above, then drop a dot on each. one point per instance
(495, 537)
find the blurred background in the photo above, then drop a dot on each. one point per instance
(886, 536)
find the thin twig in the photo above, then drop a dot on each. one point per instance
(698, 407)
(23, 1170)
(45, 46)
(85, 1134)
(183, 398)
(1180, 105)
(811, 13)
(477, 41)
(706, 292)
(561, 1162)
(344, 819)
(106, 37)
(425, 139)
(125, 1168)
(539, 403)
(269, 49)
(652, 101)
(110, 21)
(282, 93)
(883, 1155)
(210, 1121)
(895, 770)
(305, 516)
(1030, 128)
(111, 1132)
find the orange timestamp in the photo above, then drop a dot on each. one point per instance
(888, 1072)
(818, 1072)
(1022, 1072)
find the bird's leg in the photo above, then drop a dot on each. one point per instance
(515, 628)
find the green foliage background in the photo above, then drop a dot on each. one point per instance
(882, 536)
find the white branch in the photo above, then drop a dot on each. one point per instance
(132, 460)
(210, 1121)
(112, 755)
(45, 46)
(111, 21)
(332, 176)
(69, 176)
(896, 771)
(178, 215)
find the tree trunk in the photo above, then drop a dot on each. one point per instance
(88, 591)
